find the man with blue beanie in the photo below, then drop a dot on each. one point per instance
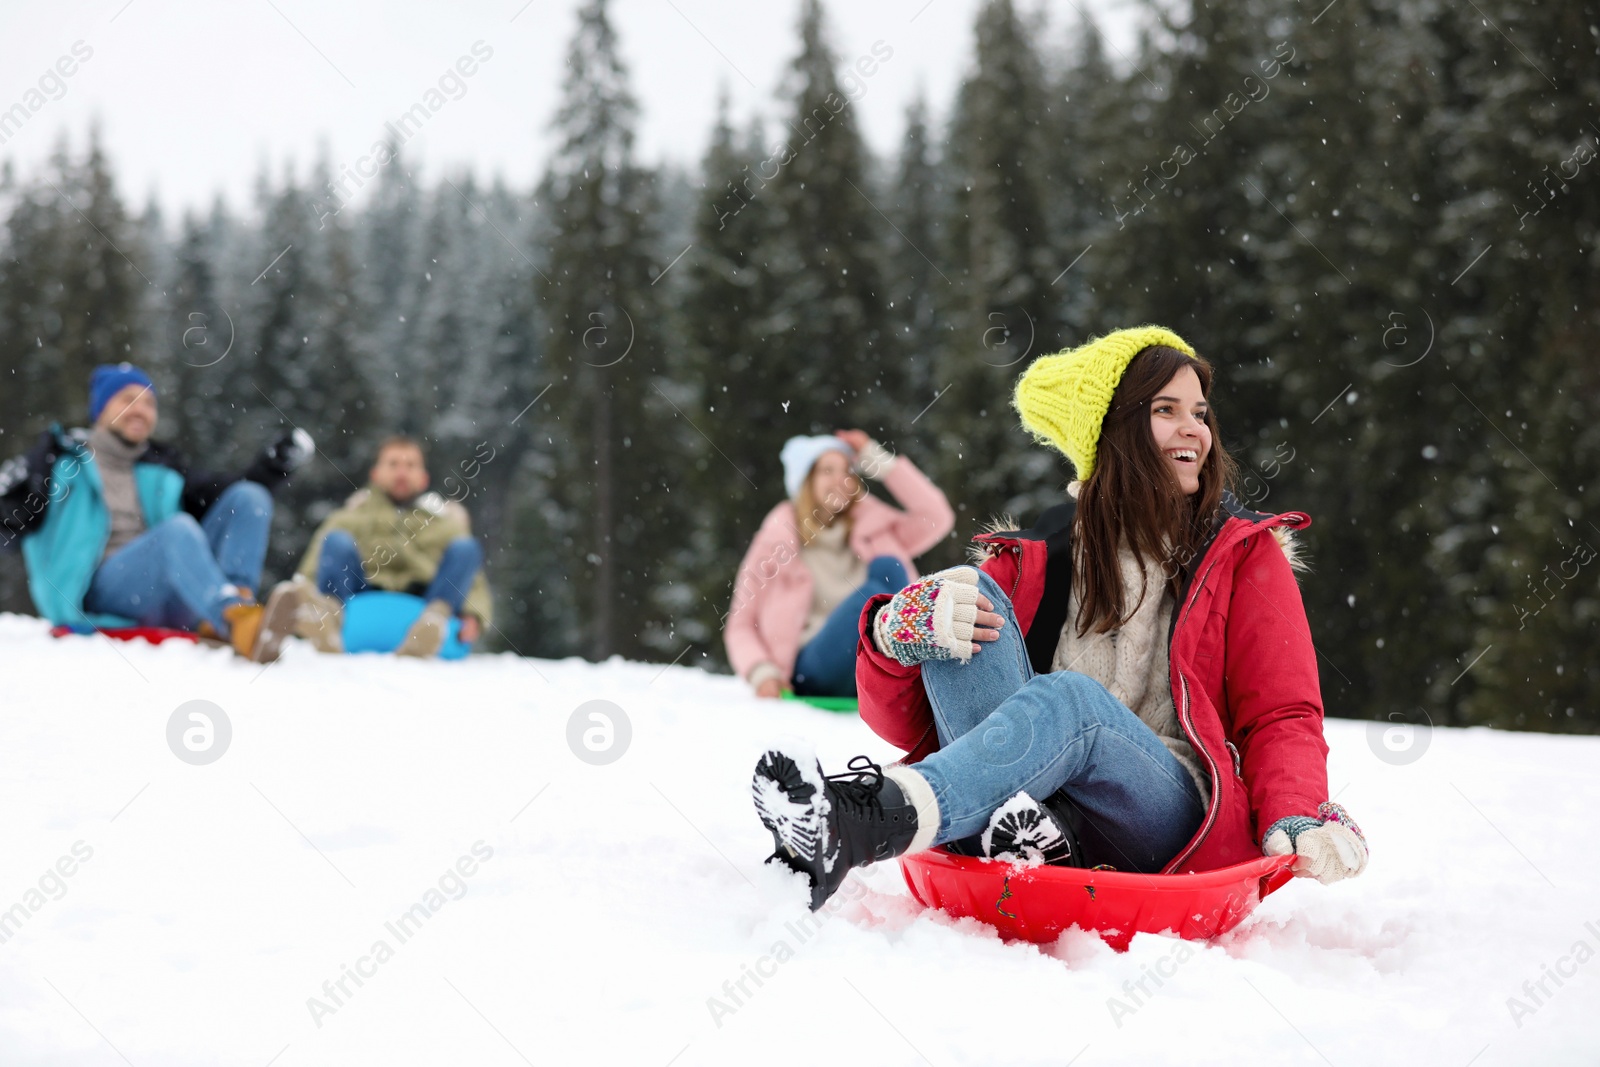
(117, 530)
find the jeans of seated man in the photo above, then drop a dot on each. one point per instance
(340, 573)
(181, 571)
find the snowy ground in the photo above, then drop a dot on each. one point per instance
(207, 905)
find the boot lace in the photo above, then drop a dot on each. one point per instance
(861, 787)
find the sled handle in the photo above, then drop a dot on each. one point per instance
(1277, 878)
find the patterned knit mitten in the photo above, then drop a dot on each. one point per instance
(1329, 848)
(930, 619)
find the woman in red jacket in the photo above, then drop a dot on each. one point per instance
(1082, 663)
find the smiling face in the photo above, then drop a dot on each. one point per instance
(400, 472)
(833, 485)
(130, 413)
(1178, 424)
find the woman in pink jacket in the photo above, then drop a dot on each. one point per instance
(820, 555)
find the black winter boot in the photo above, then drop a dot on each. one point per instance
(824, 827)
(1022, 830)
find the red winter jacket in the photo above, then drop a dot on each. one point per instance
(1243, 670)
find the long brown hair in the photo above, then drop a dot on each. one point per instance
(812, 516)
(1133, 496)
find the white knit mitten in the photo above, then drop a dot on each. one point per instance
(1328, 848)
(930, 619)
(874, 460)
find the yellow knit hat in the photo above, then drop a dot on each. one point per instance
(1064, 398)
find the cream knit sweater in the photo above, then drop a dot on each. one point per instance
(836, 572)
(1131, 662)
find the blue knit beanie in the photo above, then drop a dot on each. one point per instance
(800, 454)
(108, 379)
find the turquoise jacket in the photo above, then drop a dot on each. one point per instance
(64, 551)
(53, 500)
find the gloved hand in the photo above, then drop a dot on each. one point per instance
(873, 460)
(291, 450)
(930, 619)
(1328, 849)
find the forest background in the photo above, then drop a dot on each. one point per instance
(1379, 220)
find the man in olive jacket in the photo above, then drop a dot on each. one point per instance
(394, 535)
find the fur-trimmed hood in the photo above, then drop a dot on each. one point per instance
(1293, 550)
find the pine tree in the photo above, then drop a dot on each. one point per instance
(387, 233)
(30, 331)
(98, 277)
(1524, 159)
(498, 469)
(604, 348)
(199, 335)
(30, 327)
(441, 355)
(1378, 188)
(918, 290)
(300, 363)
(1083, 119)
(829, 331)
(726, 303)
(1001, 313)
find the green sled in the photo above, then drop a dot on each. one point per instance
(842, 705)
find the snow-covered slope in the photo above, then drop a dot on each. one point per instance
(572, 912)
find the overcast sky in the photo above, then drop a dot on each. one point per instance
(194, 95)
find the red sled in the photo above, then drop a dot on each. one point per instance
(154, 634)
(1037, 903)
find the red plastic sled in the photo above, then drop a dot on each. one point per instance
(1037, 903)
(154, 634)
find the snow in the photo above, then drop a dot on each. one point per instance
(574, 912)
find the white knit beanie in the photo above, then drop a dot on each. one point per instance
(800, 454)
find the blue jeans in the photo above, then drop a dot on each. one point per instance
(1003, 729)
(340, 574)
(826, 666)
(174, 573)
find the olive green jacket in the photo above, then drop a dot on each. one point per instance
(401, 545)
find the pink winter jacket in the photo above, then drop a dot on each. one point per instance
(772, 594)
